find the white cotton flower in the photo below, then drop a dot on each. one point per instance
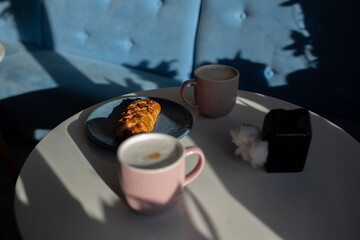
(246, 155)
(258, 152)
(250, 145)
(245, 134)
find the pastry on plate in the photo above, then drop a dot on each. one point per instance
(139, 117)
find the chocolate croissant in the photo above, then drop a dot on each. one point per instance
(139, 117)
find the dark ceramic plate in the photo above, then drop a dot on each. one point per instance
(174, 120)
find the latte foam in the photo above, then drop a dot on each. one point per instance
(151, 153)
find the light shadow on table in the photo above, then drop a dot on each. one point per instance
(64, 217)
(293, 205)
(174, 224)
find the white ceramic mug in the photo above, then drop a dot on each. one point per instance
(215, 89)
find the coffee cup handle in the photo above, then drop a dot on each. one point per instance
(186, 83)
(199, 166)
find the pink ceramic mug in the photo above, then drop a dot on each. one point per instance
(215, 89)
(152, 171)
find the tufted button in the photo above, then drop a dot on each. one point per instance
(128, 43)
(159, 3)
(301, 24)
(242, 16)
(83, 35)
(269, 73)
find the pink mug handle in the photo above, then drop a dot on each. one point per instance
(199, 166)
(186, 83)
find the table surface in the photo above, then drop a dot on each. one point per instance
(68, 187)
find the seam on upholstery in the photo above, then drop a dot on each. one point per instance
(42, 23)
(195, 40)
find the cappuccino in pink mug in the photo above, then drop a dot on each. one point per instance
(152, 171)
(215, 89)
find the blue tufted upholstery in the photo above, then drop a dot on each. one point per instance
(62, 56)
(150, 35)
(249, 30)
(20, 25)
(21, 21)
(65, 55)
(294, 50)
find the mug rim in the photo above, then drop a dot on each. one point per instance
(215, 65)
(149, 136)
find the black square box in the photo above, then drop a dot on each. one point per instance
(289, 135)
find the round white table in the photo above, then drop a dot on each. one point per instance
(68, 187)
